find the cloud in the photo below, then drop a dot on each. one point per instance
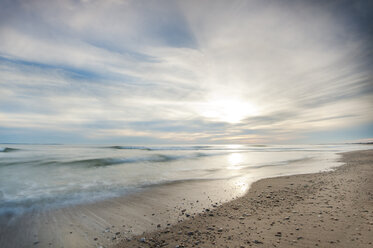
(185, 71)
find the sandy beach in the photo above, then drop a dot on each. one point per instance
(329, 209)
(186, 123)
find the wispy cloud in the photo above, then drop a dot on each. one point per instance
(184, 71)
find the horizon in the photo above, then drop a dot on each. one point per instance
(186, 72)
(357, 142)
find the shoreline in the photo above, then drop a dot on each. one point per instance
(123, 221)
(284, 211)
(105, 223)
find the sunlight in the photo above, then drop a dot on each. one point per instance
(228, 110)
(241, 185)
(234, 147)
(234, 159)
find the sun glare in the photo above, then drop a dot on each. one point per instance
(235, 159)
(228, 110)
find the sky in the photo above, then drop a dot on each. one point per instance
(186, 72)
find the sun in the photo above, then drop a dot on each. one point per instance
(228, 110)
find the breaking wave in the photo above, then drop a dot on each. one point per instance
(7, 149)
(98, 162)
(168, 148)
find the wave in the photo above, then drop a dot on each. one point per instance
(11, 208)
(106, 161)
(101, 162)
(181, 181)
(8, 149)
(248, 167)
(169, 148)
(188, 148)
(131, 148)
(275, 164)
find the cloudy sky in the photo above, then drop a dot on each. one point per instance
(152, 72)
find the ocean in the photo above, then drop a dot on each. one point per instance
(38, 177)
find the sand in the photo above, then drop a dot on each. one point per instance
(332, 209)
(329, 209)
(106, 222)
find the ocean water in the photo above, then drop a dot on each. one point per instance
(34, 177)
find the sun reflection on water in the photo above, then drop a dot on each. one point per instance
(234, 160)
(242, 185)
(234, 147)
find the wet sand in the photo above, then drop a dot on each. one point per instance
(105, 223)
(329, 209)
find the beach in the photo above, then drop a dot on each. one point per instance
(186, 123)
(213, 196)
(328, 209)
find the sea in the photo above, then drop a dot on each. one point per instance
(38, 177)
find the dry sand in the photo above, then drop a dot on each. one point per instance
(330, 209)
